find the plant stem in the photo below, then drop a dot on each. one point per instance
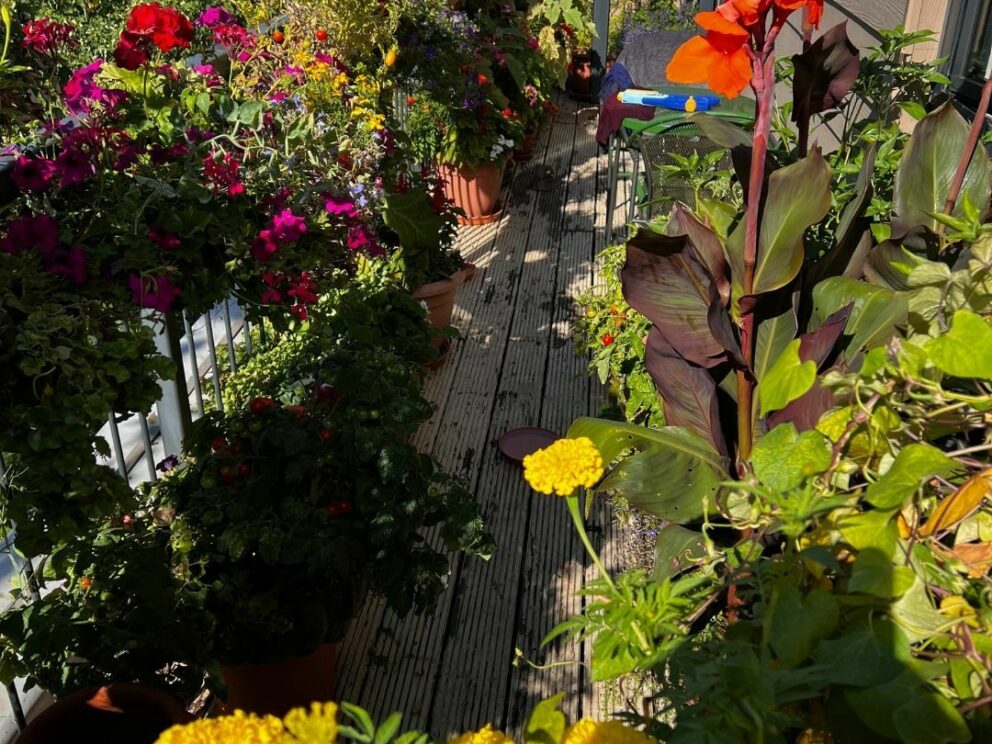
(969, 150)
(763, 84)
(576, 512)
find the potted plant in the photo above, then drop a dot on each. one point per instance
(460, 120)
(284, 516)
(132, 713)
(425, 260)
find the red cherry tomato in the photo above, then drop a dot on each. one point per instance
(321, 34)
(244, 469)
(218, 443)
(278, 37)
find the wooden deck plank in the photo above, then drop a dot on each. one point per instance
(411, 647)
(514, 365)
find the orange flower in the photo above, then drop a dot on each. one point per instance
(747, 12)
(718, 59)
(814, 8)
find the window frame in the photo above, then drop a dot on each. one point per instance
(962, 30)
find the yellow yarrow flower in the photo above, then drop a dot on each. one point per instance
(564, 466)
(485, 736)
(588, 731)
(241, 728)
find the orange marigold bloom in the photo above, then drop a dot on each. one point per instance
(718, 59)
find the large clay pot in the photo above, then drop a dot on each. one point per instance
(440, 298)
(475, 190)
(118, 714)
(278, 688)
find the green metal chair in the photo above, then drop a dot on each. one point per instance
(652, 141)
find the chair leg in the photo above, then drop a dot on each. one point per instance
(612, 179)
(635, 177)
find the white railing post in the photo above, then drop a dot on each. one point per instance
(174, 415)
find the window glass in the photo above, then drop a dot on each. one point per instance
(981, 48)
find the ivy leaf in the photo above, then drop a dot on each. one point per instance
(792, 641)
(966, 349)
(916, 615)
(874, 573)
(787, 380)
(783, 458)
(913, 466)
(867, 656)
(930, 719)
(873, 529)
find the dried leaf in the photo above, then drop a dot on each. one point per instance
(956, 508)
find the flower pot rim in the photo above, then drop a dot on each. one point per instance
(440, 286)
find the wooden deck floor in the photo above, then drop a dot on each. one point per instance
(515, 365)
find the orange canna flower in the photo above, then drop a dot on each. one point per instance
(814, 8)
(746, 12)
(719, 59)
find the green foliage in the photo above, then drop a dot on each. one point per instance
(834, 580)
(67, 361)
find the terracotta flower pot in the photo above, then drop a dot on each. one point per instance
(526, 150)
(118, 714)
(440, 298)
(278, 688)
(475, 190)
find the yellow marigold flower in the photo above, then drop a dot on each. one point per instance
(485, 736)
(319, 725)
(564, 466)
(240, 728)
(588, 731)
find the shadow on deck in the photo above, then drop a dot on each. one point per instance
(515, 365)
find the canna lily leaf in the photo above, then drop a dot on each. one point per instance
(788, 379)
(672, 473)
(664, 280)
(798, 197)
(928, 166)
(825, 73)
(688, 392)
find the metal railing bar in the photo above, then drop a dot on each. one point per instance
(212, 350)
(15, 706)
(146, 440)
(115, 438)
(247, 327)
(191, 344)
(230, 337)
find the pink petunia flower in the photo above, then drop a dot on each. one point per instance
(32, 231)
(33, 174)
(154, 292)
(341, 206)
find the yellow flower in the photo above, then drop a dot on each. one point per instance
(485, 736)
(564, 466)
(588, 731)
(320, 725)
(240, 728)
